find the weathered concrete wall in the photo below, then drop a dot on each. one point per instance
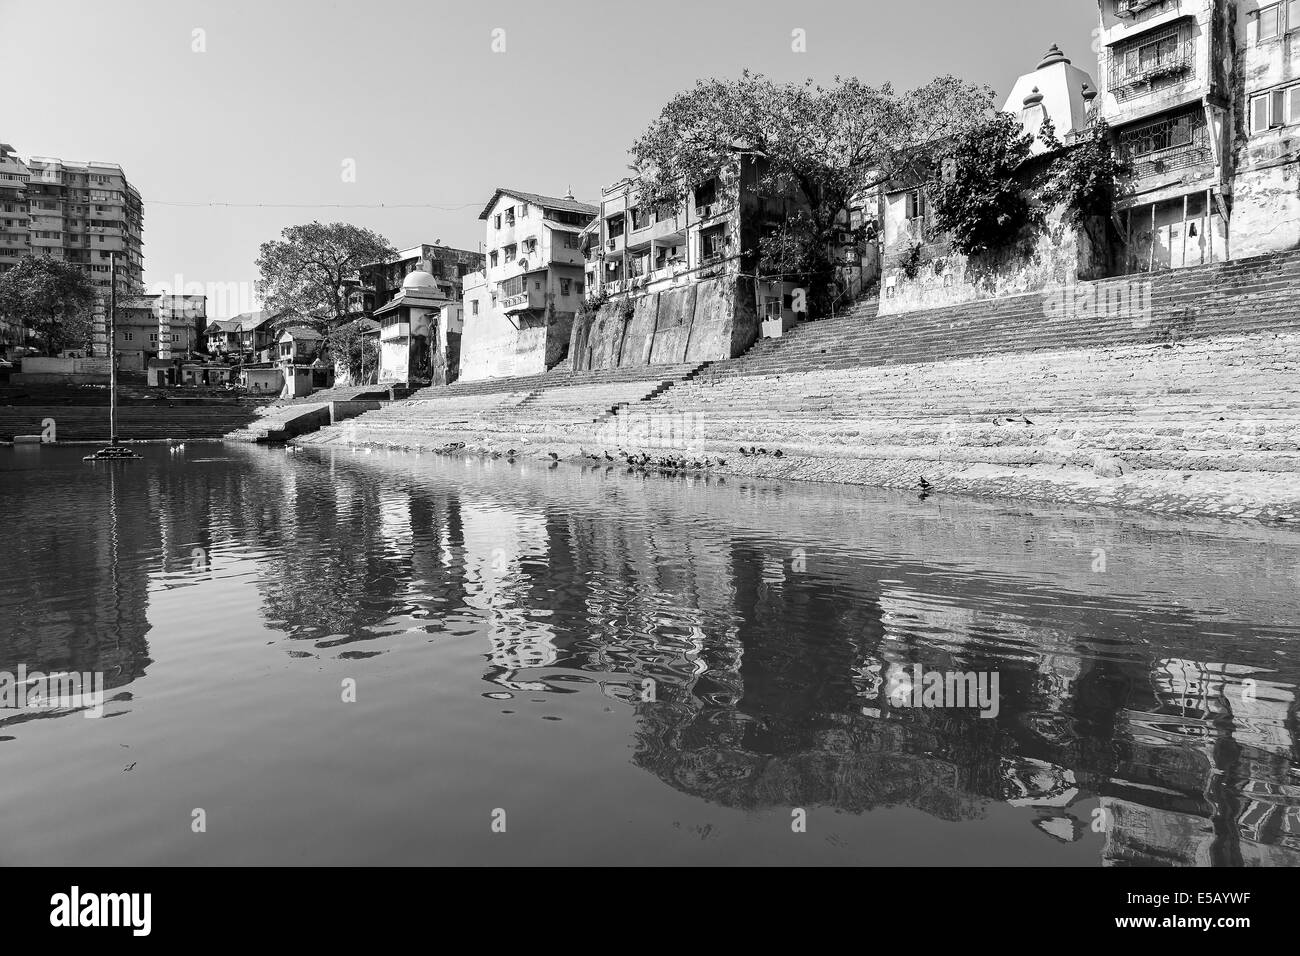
(704, 321)
(491, 347)
(1056, 255)
(1266, 210)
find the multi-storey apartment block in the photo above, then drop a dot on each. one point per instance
(1204, 96)
(158, 328)
(686, 278)
(1266, 131)
(83, 213)
(519, 311)
(1165, 70)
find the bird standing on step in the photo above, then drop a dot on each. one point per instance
(996, 422)
(554, 457)
(925, 485)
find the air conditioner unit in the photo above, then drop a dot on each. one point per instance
(612, 243)
(705, 211)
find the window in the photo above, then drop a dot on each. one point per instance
(492, 258)
(570, 240)
(510, 216)
(126, 336)
(580, 288)
(510, 251)
(1275, 109)
(916, 204)
(473, 307)
(713, 242)
(1269, 23)
(565, 285)
(496, 221)
(530, 245)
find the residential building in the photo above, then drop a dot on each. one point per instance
(376, 284)
(1266, 181)
(519, 310)
(83, 213)
(222, 337)
(158, 328)
(257, 336)
(1167, 91)
(685, 278)
(80, 213)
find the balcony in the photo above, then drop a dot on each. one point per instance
(1131, 8)
(1137, 69)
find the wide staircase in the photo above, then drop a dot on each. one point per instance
(549, 405)
(1189, 376)
(134, 422)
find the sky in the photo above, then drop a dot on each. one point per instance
(275, 102)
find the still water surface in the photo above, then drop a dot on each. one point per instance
(628, 669)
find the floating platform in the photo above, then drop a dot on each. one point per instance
(112, 453)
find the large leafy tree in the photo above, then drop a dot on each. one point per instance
(823, 144)
(52, 299)
(306, 270)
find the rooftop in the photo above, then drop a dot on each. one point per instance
(567, 204)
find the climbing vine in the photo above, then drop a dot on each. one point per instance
(983, 200)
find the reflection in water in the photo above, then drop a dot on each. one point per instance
(1147, 711)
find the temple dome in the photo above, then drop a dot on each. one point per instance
(419, 280)
(1054, 55)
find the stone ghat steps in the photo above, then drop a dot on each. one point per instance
(1231, 377)
(557, 378)
(272, 421)
(1250, 295)
(134, 423)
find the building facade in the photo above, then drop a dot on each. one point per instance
(1204, 98)
(149, 329)
(519, 310)
(682, 283)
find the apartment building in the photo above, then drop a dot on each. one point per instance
(83, 213)
(519, 310)
(1266, 131)
(15, 243)
(376, 284)
(684, 279)
(1165, 70)
(149, 329)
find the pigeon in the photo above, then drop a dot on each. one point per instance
(996, 422)
(1025, 419)
(608, 456)
(742, 450)
(554, 457)
(722, 462)
(762, 451)
(925, 485)
(778, 454)
(511, 453)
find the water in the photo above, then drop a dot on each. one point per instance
(627, 669)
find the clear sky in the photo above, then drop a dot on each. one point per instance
(287, 91)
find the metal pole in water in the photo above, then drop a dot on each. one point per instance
(112, 344)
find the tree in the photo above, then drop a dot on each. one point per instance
(1088, 176)
(52, 299)
(306, 271)
(982, 198)
(355, 351)
(824, 145)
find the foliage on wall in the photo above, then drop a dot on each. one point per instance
(982, 198)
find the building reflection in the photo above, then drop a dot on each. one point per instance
(745, 631)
